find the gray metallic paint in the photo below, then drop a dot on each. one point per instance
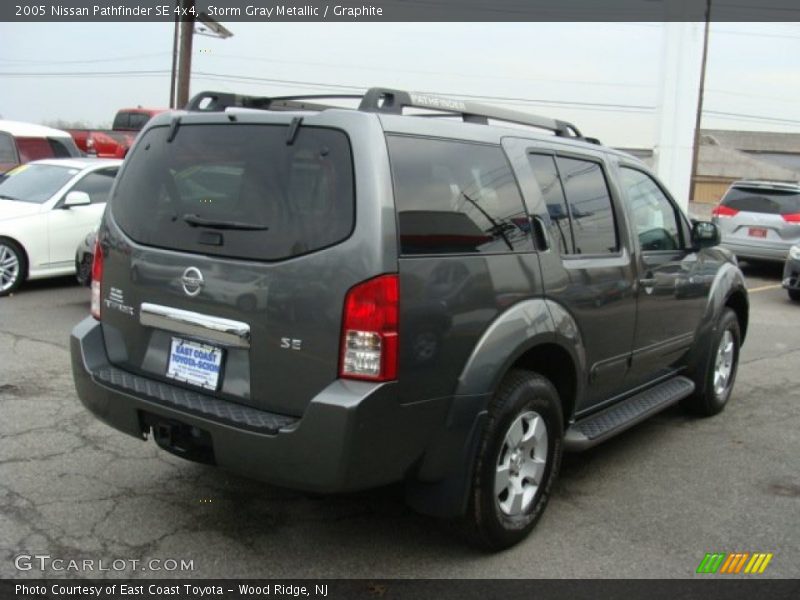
(472, 328)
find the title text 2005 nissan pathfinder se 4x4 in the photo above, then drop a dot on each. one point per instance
(332, 299)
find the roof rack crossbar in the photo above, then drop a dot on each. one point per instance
(389, 101)
(220, 101)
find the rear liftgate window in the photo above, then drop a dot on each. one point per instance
(238, 190)
(455, 197)
(776, 202)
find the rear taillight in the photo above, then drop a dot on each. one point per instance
(724, 211)
(792, 218)
(369, 330)
(97, 278)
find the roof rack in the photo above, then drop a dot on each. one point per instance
(220, 101)
(388, 101)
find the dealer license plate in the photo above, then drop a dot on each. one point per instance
(758, 232)
(195, 363)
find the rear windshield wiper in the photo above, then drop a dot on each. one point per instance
(4, 197)
(197, 221)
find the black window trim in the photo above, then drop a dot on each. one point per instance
(612, 194)
(552, 154)
(436, 138)
(680, 217)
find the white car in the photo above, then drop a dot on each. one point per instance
(46, 209)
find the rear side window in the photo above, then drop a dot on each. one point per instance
(760, 200)
(138, 120)
(590, 206)
(97, 185)
(549, 187)
(456, 197)
(238, 190)
(121, 121)
(33, 149)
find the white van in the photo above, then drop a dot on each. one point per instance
(23, 142)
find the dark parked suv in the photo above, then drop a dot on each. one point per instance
(332, 299)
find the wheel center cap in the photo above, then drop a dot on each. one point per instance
(516, 461)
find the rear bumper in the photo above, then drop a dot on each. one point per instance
(759, 251)
(353, 435)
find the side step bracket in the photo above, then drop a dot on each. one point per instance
(596, 428)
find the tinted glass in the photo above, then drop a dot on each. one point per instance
(60, 148)
(238, 190)
(455, 197)
(31, 149)
(590, 206)
(138, 120)
(121, 121)
(775, 202)
(651, 212)
(35, 183)
(552, 194)
(97, 185)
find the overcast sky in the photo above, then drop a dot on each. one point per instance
(603, 77)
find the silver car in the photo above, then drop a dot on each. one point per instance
(759, 219)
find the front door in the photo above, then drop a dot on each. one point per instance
(673, 280)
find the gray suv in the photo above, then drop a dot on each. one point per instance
(332, 299)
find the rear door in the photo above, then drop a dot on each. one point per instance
(587, 269)
(238, 227)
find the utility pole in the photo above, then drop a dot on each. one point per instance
(699, 117)
(185, 58)
(174, 74)
(182, 36)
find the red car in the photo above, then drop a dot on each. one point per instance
(114, 142)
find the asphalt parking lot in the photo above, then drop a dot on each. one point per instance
(649, 503)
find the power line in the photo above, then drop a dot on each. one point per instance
(82, 61)
(415, 71)
(221, 77)
(68, 74)
(746, 117)
(503, 99)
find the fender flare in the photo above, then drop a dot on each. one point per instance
(727, 282)
(442, 481)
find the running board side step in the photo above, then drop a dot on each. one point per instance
(596, 428)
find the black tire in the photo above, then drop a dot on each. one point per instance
(15, 269)
(487, 521)
(794, 295)
(709, 399)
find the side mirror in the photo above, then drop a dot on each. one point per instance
(705, 234)
(76, 199)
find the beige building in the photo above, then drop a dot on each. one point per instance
(727, 156)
